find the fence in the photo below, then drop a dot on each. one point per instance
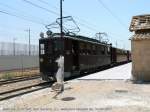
(14, 49)
(18, 62)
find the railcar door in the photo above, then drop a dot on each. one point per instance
(128, 55)
(75, 50)
(113, 55)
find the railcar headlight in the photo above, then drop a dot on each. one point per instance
(41, 59)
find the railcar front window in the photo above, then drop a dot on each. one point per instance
(42, 46)
(42, 52)
(42, 49)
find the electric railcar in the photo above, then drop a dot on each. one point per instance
(81, 55)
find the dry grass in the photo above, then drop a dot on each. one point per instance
(19, 73)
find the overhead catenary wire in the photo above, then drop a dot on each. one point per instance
(55, 13)
(38, 6)
(83, 22)
(20, 17)
(46, 3)
(22, 13)
(114, 15)
(85, 25)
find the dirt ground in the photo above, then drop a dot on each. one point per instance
(85, 96)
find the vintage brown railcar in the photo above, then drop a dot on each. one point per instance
(81, 55)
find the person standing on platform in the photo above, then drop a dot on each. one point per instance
(59, 85)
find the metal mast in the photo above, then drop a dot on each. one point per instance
(61, 26)
(61, 19)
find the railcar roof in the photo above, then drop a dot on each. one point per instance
(78, 37)
(81, 38)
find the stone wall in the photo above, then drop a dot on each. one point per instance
(141, 59)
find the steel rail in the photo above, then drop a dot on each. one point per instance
(24, 90)
(8, 81)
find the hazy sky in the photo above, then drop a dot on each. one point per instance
(92, 16)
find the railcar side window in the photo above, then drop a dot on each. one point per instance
(82, 47)
(103, 50)
(88, 46)
(57, 44)
(42, 49)
(108, 50)
(88, 49)
(68, 47)
(94, 49)
(98, 50)
(49, 48)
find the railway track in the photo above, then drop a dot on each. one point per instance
(8, 81)
(23, 90)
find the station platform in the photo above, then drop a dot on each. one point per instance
(122, 72)
(92, 93)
